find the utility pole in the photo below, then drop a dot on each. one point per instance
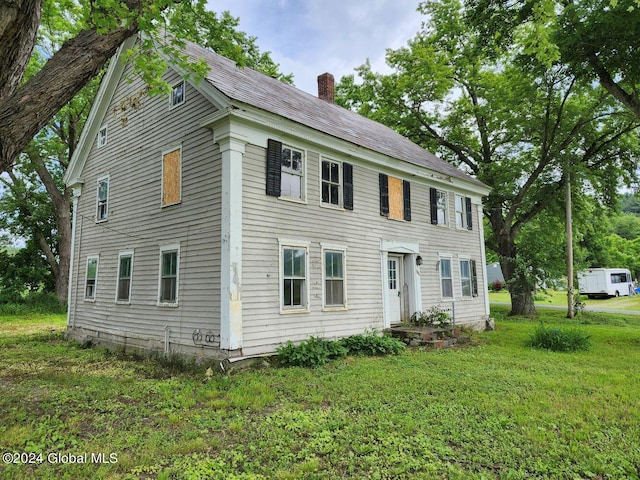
(570, 292)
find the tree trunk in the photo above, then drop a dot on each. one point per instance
(31, 106)
(520, 288)
(61, 202)
(521, 297)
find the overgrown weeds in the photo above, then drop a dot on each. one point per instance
(559, 339)
(316, 352)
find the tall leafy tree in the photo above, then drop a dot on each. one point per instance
(515, 123)
(597, 39)
(36, 204)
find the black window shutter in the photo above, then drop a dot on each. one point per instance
(474, 279)
(347, 187)
(469, 212)
(406, 197)
(433, 194)
(384, 194)
(274, 159)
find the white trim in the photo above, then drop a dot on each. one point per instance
(324, 248)
(273, 126)
(95, 257)
(99, 109)
(76, 192)
(483, 261)
(232, 152)
(126, 253)
(300, 244)
(175, 247)
(163, 153)
(412, 276)
(184, 94)
(99, 140)
(101, 179)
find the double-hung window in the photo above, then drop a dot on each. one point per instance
(330, 182)
(468, 278)
(294, 277)
(125, 271)
(464, 213)
(91, 279)
(334, 277)
(438, 201)
(285, 171)
(446, 278)
(292, 173)
(102, 200)
(465, 277)
(169, 270)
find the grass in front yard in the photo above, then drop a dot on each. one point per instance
(494, 410)
(559, 298)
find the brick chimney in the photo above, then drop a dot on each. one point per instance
(326, 87)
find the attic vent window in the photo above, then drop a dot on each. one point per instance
(177, 94)
(102, 137)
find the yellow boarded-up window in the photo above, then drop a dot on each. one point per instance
(171, 177)
(396, 205)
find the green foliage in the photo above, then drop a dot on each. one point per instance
(456, 92)
(312, 353)
(434, 316)
(316, 352)
(559, 339)
(23, 275)
(372, 344)
(459, 414)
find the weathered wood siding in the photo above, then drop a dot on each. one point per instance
(133, 159)
(267, 219)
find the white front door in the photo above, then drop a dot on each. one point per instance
(394, 288)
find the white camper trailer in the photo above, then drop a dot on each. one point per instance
(605, 282)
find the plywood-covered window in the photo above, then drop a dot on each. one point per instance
(395, 198)
(171, 177)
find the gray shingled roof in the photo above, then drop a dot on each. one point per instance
(266, 93)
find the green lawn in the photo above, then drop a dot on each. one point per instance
(559, 298)
(496, 409)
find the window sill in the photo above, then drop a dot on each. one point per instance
(293, 200)
(335, 309)
(171, 204)
(167, 305)
(90, 300)
(123, 302)
(330, 206)
(293, 311)
(102, 220)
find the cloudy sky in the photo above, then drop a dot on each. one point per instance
(310, 37)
